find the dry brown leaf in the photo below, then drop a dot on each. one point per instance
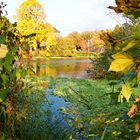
(133, 110)
(137, 127)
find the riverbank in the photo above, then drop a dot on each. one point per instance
(69, 108)
(95, 114)
(59, 57)
(3, 51)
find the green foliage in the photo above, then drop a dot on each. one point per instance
(95, 114)
(22, 115)
(32, 115)
(7, 71)
(101, 64)
(12, 73)
(127, 57)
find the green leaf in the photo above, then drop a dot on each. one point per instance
(2, 39)
(4, 78)
(136, 33)
(91, 135)
(23, 72)
(9, 57)
(136, 14)
(3, 94)
(7, 66)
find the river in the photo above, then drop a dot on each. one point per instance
(62, 67)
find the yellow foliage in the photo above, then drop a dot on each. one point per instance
(97, 41)
(109, 38)
(126, 92)
(31, 19)
(18, 75)
(120, 98)
(130, 45)
(121, 63)
(31, 10)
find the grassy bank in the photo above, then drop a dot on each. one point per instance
(95, 113)
(45, 54)
(42, 55)
(91, 113)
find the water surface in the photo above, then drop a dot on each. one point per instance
(62, 67)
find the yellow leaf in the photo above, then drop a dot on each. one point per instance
(126, 92)
(18, 75)
(129, 45)
(1, 100)
(30, 71)
(121, 55)
(121, 63)
(120, 98)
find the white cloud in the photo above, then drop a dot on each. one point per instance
(82, 15)
(75, 15)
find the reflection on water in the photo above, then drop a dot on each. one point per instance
(70, 67)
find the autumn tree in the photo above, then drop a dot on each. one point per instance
(30, 19)
(79, 44)
(97, 43)
(87, 38)
(30, 15)
(93, 41)
(77, 40)
(64, 47)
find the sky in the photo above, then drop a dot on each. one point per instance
(74, 15)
